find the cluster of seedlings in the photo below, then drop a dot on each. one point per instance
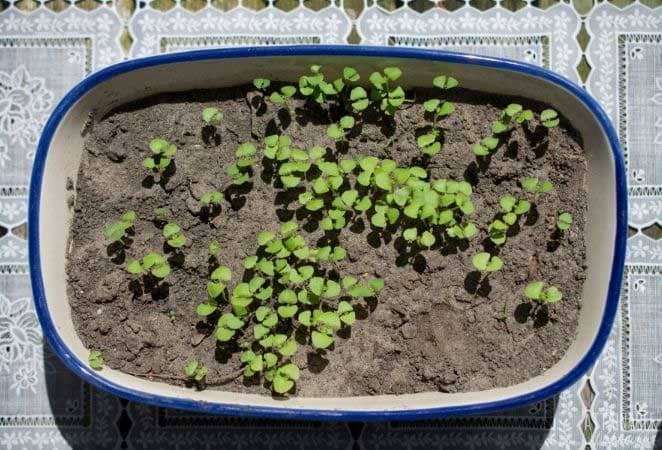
(288, 286)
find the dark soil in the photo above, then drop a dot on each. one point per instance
(428, 329)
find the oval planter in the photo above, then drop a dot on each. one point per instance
(61, 145)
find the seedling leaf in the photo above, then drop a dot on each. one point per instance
(321, 340)
(534, 290)
(564, 221)
(95, 360)
(212, 115)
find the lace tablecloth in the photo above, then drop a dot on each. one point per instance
(43, 53)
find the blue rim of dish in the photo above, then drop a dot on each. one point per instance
(82, 369)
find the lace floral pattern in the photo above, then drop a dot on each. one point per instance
(624, 56)
(645, 211)
(13, 247)
(644, 250)
(627, 407)
(179, 29)
(44, 54)
(489, 32)
(20, 333)
(102, 24)
(24, 100)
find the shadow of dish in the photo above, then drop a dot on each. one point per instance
(527, 427)
(87, 417)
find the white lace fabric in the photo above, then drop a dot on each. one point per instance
(43, 54)
(542, 37)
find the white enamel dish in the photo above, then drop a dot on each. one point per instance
(60, 149)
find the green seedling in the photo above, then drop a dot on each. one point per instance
(330, 181)
(287, 300)
(211, 199)
(216, 287)
(513, 112)
(292, 172)
(362, 290)
(359, 98)
(275, 342)
(283, 378)
(486, 146)
(376, 172)
(163, 152)
(117, 231)
(257, 363)
(539, 292)
(425, 239)
(212, 116)
(266, 339)
(334, 220)
(346, 313)
(314, 85)
(429, 142)
(564, 221)
(537, 186)
(348, 200)
(240, 171)
(195, 372)
(384, 215)
(484, 262)
(444, 82)
(350, 75)
(227, 326)
(277, 147)
(338, 131)
(95, 360)
(549, 118)
(261, 84)
(331, 178)
(383, 92)
(441, 202)
(498, 232)
(298, 161)
(244, 294)
(152, 264)
(462, 231)
(284, 95)
(214, 248)
(173, 234)
(324, 324)
(310, 202)
(513, 208)
(162, 213)
(267, 319)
